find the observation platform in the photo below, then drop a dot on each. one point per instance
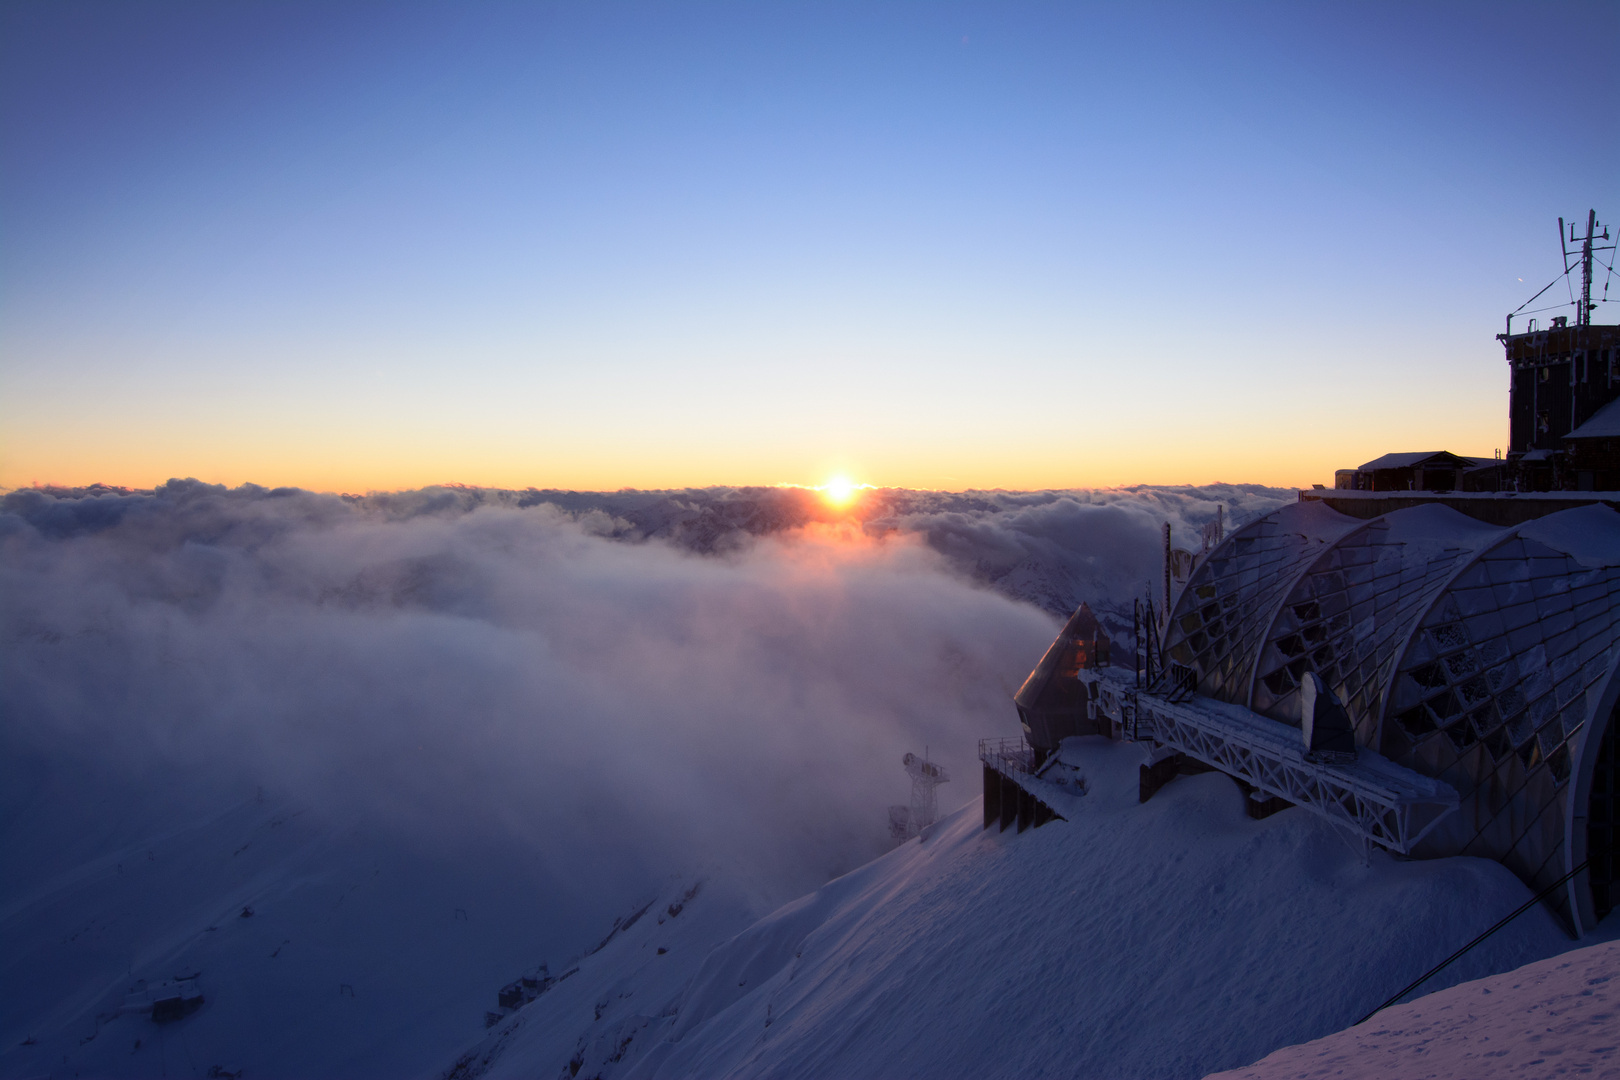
(1013, 792)
(1373, 798)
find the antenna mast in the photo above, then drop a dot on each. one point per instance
(1585, 305)
(1584, 316)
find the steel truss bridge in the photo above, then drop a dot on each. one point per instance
(1373, 798)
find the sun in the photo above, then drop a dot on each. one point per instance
(839, 491)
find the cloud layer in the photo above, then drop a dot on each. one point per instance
(461, 669)
(731, 671)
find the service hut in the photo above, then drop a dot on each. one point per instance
(1421, 470)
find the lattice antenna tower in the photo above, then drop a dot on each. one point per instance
(1578, 251)
(925, 777)
(1583, 312)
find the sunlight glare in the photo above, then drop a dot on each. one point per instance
(839, 490)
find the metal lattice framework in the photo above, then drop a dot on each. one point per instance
(925, 777)
(1344, 620)
(1374, 799)
(1494, 688)
(1230, 600)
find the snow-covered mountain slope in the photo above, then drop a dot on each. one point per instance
(1159, 940)
(323, 946)
(1555, 1017)
(602, 1010)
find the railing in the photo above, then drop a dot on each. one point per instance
(1007, 755)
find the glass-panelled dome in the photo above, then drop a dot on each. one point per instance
(1348, 614)
(1480, 655)
(1496, 691)
(1231, 597)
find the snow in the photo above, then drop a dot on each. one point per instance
(1168, 939)
(1603, 424)
(1436, 526)
(363, 955)
(1554, 1017)
(1588, 534)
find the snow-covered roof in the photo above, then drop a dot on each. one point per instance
(1588, 534)
(1418, 457)
(1603, 424)
(1469, 652)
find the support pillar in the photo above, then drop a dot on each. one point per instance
(992, 796)
(1009, 802)
(1153, 777)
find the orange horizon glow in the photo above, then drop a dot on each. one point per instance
(1287, 449)
(405, 433)
(838, 493)
(382, 468)
(329, 444)
(837, 496)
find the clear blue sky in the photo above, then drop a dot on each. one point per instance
(944, 245)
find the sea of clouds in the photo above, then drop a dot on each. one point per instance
(667, 677)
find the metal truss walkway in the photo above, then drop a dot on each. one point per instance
(1375, 799)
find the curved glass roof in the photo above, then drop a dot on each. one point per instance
(1493, 690)
(1348, 614)
(1231, 597)
(1467, 652)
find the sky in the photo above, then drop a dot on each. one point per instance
(362, 246)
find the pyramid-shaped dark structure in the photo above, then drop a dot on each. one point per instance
(1052, 701)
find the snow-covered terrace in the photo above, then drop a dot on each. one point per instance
(1373, 798)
